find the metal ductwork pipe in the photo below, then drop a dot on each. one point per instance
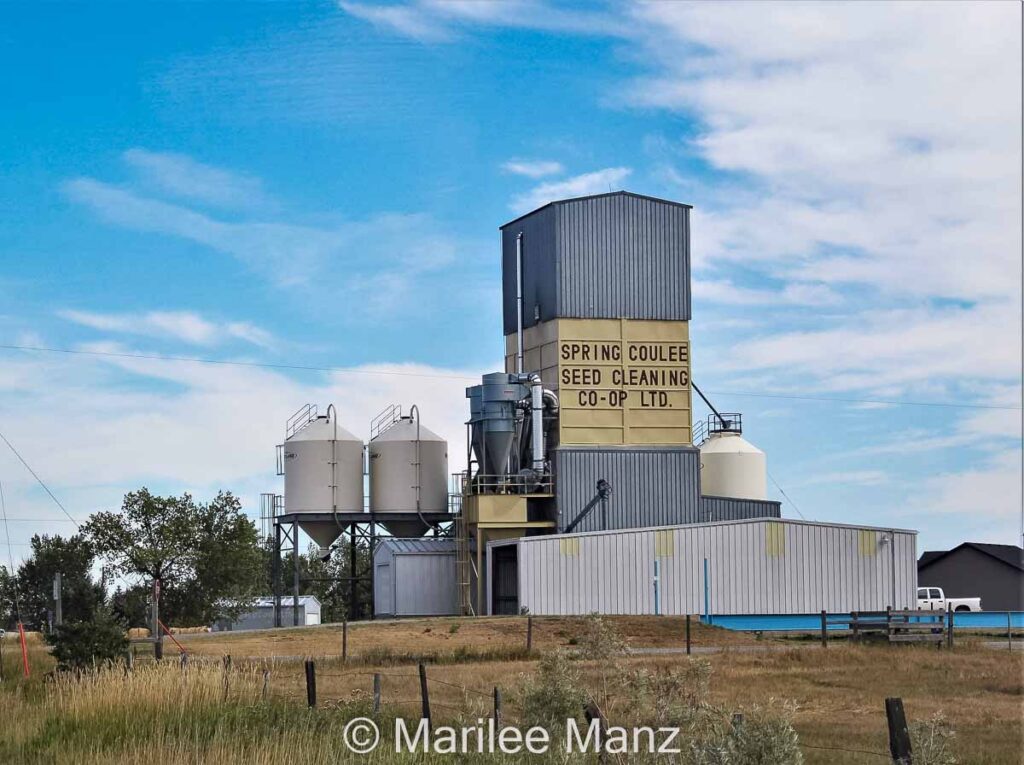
(537, 421)
(519, 303)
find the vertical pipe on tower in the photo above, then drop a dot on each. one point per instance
(519, 303)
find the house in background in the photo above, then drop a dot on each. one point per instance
(995, 573)
(262, 614)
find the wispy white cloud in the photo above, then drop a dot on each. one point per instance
(724, 292)
(597, 182)
(533, 168)
(440, 21)
(406, 20)
(184, 177)
(989, 491)
(848, 478)
(897, 349)
(377, 262)
(185, 326)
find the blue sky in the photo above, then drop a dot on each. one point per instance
(321, 184)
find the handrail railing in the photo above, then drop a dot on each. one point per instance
(729, 422)
(526, 483)
(391, 414)
(299, 420)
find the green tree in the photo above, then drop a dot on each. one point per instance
(206, 556)
(74, 558)
(8, 617)
(85, 644)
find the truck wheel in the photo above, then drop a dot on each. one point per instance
(958, 609)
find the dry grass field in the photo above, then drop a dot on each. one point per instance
(171, 714)
(444, 635)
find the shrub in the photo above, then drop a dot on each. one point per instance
(765, 737)
(931, 741)
(599, 639)
(81, 645)
(670, 696)
(554, 694)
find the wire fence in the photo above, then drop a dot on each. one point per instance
(308, 692)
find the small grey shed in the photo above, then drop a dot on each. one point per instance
(415, 577)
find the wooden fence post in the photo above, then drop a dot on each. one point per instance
(824, 628)
(899, 734)
(183, 660)
(1009, 633)
(266, 684)
(593, 712)
(529, 634)
(344, 640)
(497, 707)
(854, 626)
(376, 693)
(949, 625)
(424, 692)
(687, 634)
(227, 674)
(310, 683)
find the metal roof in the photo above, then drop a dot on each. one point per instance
(749, 521)
(419, 545)
(621, 192)
(1011, 555)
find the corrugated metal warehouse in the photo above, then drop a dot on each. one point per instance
(589, 484)
(761, 566)
(261, 616)
(415, 577)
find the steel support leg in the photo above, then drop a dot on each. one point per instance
(353, 607)
(275, 573)
(295, 582)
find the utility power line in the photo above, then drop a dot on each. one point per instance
(464, 378)
(42, 520)
(791, 502)
(40, 480)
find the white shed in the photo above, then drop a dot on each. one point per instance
(415, 577)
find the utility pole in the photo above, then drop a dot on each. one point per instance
(58, 609)
(158, 639)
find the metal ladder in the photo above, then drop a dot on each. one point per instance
(464, 556)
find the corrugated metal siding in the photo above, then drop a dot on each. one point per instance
(756, 567)
(622, 256)
(539, 269)
(650, 487)
(732, 509)
(398, 546)
(415, 577)
(613, 255)
(425, 585)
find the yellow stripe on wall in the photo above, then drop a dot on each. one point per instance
(664, 544)
(775, 540)
(867, 542)
(569, 547)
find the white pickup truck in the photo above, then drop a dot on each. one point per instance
(933, 598)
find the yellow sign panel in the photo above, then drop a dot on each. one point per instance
(619, 381)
